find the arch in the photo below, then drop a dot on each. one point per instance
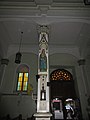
(61, 74)
(22, 68)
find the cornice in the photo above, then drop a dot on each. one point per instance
(54, 4)
(44, 9)
(34, 9)
(17, 4)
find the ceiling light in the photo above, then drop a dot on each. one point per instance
(18, 54)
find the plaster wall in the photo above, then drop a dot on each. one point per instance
(12, 102)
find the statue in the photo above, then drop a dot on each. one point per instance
(43, 61)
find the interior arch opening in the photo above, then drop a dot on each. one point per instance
(64, 101)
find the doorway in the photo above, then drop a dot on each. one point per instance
(64, 102)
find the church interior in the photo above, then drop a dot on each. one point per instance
(63, 54)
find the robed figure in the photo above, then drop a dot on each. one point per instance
(43, 61)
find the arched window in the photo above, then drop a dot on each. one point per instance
(61, 74)
(22, 78)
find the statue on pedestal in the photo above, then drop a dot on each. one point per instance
(43, 61)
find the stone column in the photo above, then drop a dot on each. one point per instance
(3, 64)
(43, 105)
(83, 89)
(81, 63)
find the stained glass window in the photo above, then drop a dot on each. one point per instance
(20, 79)
(61, 74)
(25, 81)
(23, 77)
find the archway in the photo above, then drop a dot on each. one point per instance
(63, 94)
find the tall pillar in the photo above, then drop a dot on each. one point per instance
(81, 63)
(3, 63)
(83, 89)
(43, 105)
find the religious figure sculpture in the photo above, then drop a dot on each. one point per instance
(43, 61)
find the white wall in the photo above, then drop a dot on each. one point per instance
(10, 102)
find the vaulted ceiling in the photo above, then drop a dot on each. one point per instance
(68, 21)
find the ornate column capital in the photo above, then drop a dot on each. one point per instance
(81, 62)
(4, 61)
(43, 29)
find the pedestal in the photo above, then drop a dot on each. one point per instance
(42, 116)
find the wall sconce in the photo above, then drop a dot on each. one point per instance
(18, 54)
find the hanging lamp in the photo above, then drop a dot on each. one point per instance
(18, 54)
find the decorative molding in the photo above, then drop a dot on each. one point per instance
(81, 62)
(4, 61)
(43, 29)
(68, 3)
(17, 0)
(17, 4)
(42, 5)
